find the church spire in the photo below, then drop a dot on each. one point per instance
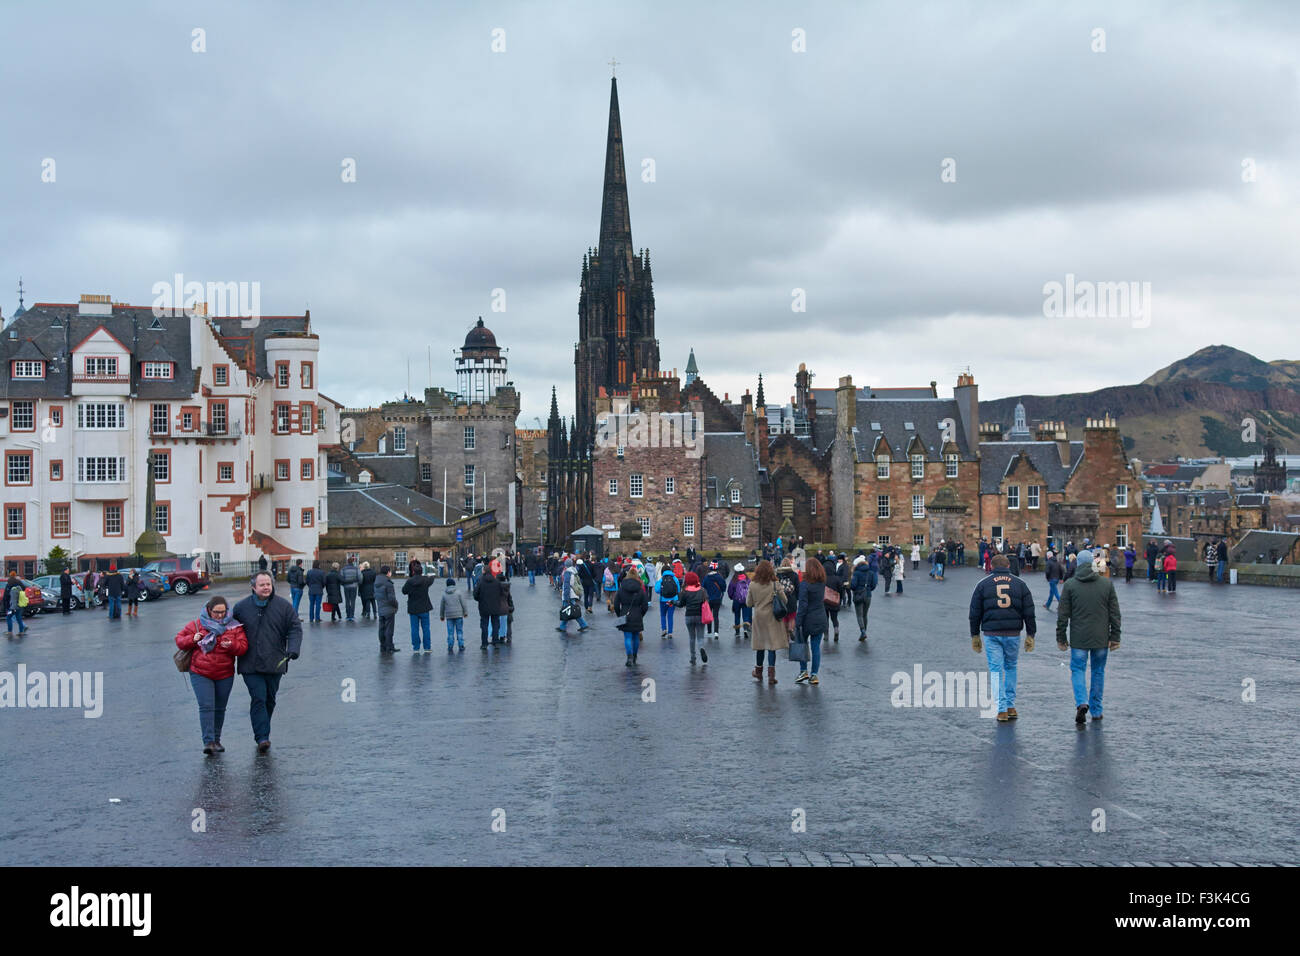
(760, 401)
(615, 221)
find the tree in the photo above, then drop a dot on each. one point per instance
(57, 560)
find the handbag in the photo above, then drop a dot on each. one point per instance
(182, 659)
(799, 651)
(706, 613)
(832, 598)
(327, 607)
(569, 612)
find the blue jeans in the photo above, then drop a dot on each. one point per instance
(295, 595)
(1053, 592)
(114, 606)
(631, 641)
(15, 616)
(455, 631)
(1003, 652)
(814, 652)
(740, 611)
(1078, 665)
(419, 622)
(212, 696)
(501, 626)
(1222, 569)
(313, 606)
(666, 610)
(582, 624)
(261, 703)
(350, 602)
(532, 578)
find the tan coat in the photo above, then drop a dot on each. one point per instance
(769, 633)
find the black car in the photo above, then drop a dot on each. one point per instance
(151, 581)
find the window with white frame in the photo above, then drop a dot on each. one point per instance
(1121, 496)
(645, 526)
(918, 540)
(282, 419)
(1032, 496)
(670, 485)
(882, 506)
(918, 466)
(882, 466)
(812, 502)
(98, 471)
(469, 476)
(736, 526)
(882, 541)
(469, 437)
(282, 376)
(220, 375)
(688, 526)
(399, 560)
(101, 416)
(100, 366)
(281, 471)
(918, 506)
(399, 438)
(157, 370)
(162, 466)
(162, 519)
(950, 466)
(225, 472)
(28, 369)
(635, 486)
(426, 471)
(23, 416)
(1013, 497)
(613, 486)
(239, 522)
(15, 521)
(1121, 536)
(160, 418)
(112, 518)
(18, 468)
(735, 495)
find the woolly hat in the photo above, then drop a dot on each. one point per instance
(1085, 557)
(451, 582)
(738, 568)
(859, 560)
(692, 579)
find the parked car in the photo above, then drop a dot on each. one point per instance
(51, 584)
(180, 574)
(79, 588)
(36, 598)
(153, 581)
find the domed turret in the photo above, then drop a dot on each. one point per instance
(480, 337)
(480, 366)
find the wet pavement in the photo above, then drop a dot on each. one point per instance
(551, 737)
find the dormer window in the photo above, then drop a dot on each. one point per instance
(101, 366)
(23, 368)
(156, 370)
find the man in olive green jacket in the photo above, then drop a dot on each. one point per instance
(1090, 608)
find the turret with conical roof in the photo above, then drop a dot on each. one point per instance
(692, 370)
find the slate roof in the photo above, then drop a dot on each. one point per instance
(392, 469)
(54, 329)
(893, 416)
(384, 506)
(730, 456)
(1255, 542)
(996, 457)
(236, 338)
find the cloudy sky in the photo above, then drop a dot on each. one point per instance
(1171, 157)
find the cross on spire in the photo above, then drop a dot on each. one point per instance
(20, 292)
(612, 64)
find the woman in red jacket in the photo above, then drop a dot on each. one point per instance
(216, 639)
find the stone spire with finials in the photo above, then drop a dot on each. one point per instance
(1019, 429)
(759, 400)
(692, 370)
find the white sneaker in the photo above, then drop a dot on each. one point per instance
(803, 676)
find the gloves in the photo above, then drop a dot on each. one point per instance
(1114, 645)
(976, 644)
(1029, 643)
(1060, 646)
(293, 657)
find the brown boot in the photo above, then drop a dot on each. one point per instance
(758, 673)
(771, 675)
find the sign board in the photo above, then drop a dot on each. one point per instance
(615, 534)
(607, 527)
(460, 534)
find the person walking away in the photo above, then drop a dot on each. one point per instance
(631, 601)
(274, 638)
(832, 598)
(1222, 563)
(297, 581)
(366, 591)
(667, 588)
(1171, 569)
(488, 597)
(418, 606)
(887, 569)
(115, 588)
(861, 584)
(715, 585)
(14, 599)
(609, 584)
(65, 592)
(453, 610)
(1090, 612)
(132, 592)
(1054, 575)
(810, 618)
(505, 609)
(1000, 607)
(770, 633)
(571, 597)
(1130, 559)
(334, 592)
(588, 583)
(216, 641)
(385, 605)
(315, 579)
(693, 599)
(350, 578)
(916, 556)
(1153, 552)
(737, 591)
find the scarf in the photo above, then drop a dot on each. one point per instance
(213, 628)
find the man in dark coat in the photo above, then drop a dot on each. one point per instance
(315, 592)
(65, 592)
(1000, 607)
(385, 602)
(367, 591)
(274, 638)
(115, 588)
(334, 592)
(488, 596)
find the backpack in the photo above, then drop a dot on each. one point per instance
(668, 586)
(609, 579)
(23, 600)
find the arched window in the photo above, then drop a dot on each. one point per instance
(622, 314)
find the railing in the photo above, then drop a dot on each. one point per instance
(78, 377)
(220, 430)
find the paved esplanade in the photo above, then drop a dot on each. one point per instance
(553, 730)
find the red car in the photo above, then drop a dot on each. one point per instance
(180, 574)
(35, 598)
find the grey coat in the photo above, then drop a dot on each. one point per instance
(385, 596)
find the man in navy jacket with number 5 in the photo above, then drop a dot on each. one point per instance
(1000, 608)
